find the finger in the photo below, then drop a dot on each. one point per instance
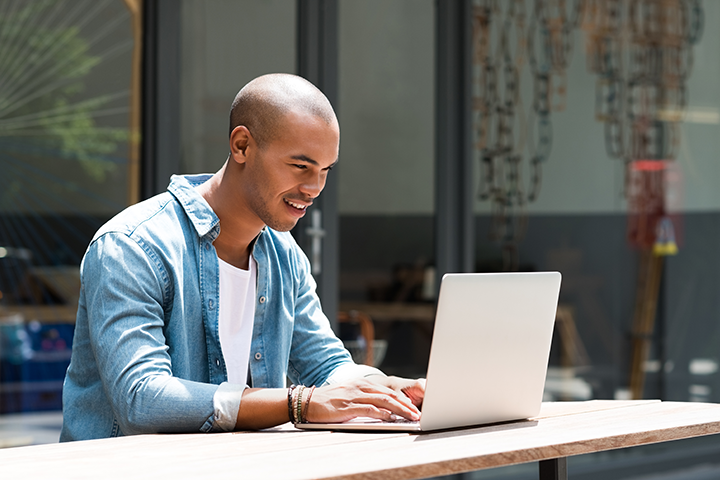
(392, 405)
(340, 403)
(408, 397)
(371, 411)
(397, 395)
(415, 392)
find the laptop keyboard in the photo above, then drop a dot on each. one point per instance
(396, 419)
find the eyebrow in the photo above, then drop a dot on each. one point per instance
(305, 158)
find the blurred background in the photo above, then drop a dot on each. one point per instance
(477, 136)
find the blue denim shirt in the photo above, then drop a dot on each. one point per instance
(146, 354)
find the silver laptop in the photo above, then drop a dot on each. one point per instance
(489, 353)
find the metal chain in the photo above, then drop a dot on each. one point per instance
(510, 141)
(641, 97)
(641, 54)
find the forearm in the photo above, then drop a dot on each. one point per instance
(262, 408)
(267, 407)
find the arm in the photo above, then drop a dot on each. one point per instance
(126, 292)
(262, 408)
(317, 357)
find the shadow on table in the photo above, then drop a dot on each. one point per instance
(461, 431)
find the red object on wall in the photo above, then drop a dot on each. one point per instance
(654, 196)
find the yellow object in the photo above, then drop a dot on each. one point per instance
(665, 238)
(664, 249)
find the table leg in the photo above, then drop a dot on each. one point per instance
(554, 469)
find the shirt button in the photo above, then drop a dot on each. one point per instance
(258, 356)
(217, 362)
(210, 304)
(262, 299)
(207, 246)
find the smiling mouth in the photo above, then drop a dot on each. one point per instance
(296, 205)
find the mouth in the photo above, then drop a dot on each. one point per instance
(296, 209)
(297, 206)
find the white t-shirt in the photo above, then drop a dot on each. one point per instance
(237, 312)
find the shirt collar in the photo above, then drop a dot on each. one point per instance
(202, 216)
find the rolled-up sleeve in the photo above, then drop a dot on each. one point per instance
(227, 405)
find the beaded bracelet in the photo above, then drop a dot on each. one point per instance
(297, 398)
(292, 404)
(307, 404)
(291, 388)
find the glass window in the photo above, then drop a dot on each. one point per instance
(69, 117)
(224, 45)
(602, 165)
(596, 139)
(386, 179)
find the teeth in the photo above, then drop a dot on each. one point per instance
(296, 205)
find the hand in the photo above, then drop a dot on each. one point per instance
(413, 389)
(367, 397)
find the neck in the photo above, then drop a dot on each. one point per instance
(237, 229)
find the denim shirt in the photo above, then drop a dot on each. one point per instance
(146, 354)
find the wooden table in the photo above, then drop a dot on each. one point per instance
(563, 429)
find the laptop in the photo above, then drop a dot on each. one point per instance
(489, 353)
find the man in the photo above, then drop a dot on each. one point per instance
(191, 296)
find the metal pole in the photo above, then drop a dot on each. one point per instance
(554, 469)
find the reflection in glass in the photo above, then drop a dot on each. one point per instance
(65, 121)
(622, 98)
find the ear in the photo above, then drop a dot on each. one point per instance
(240, 140)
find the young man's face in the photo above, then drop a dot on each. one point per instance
(290, 171)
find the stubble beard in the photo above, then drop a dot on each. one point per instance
(272, 221)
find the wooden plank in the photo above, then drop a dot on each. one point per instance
(245, 443)
(258, 442)
(569, 429)
(466, 450)
(554, 409)
(460, 451)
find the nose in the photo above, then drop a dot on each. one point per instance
(313, 185)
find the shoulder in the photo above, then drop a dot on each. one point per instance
(142, 246)
(157, 228)
(167, 217)
(138, 228)
(137, 216)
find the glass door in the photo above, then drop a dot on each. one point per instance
(386, 181)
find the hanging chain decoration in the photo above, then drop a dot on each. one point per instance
(641, 52)
(509, 140)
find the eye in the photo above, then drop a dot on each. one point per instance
(300, 166)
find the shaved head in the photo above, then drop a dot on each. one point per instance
(261, 105)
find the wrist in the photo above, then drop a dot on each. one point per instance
(262, 408)
(298, 403)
